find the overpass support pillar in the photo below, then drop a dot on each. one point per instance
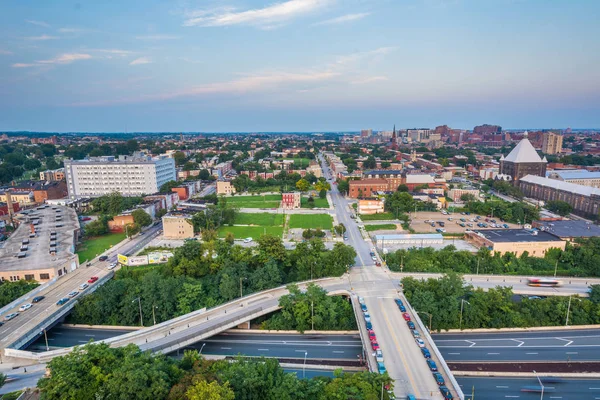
(244, 325)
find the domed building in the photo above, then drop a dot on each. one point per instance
(522, 160)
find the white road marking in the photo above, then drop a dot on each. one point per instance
(490, 354)
(502, 387)
(521, 343)
(472, 343)
(454, 354)
(338, 352)
(531, 354)
(225, 348)
(263, 349)
(572, 352)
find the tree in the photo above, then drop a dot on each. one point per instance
(2, 379)
(179, 158)
(302, 185)
(343, 186)
(340, 229)
(204, 174)
(166, 187)
(132, 145)
(559, 207)
(203, 390)
(188, 166)
(385, 164)
(132, 229)
(98, 227)
(370, 163)
(141, 217)
(31, 164)
(323, 194)
(399, 202)
(402, 188)
(230, 238)
(467, 197)
(322, 185)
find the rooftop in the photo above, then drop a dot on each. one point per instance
(384, 172)
(369, 182)
(516, 235)
(417, 236)
(38, 252)
(571, 229)
(560, 185)
(523, 153)
(573, 174)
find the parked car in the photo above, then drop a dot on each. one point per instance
(432, 365)
(406, 316)
(25, 307)
(83, 286)
(10, 316)
(446, 393)
(398, 302)
(62, 301)
(375, 345)
(73, 294)
(426, 353)
(369, 325)
(415, 333)
(411, 325)
(361, 300)
(402, 308)
(37, 299)
(92, 279)
(379, 355)
(363, 307)
(248, 240)
(420, 342)
(381, 368)
(439, 378)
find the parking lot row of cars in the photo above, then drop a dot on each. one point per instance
(439, 378)
(26, 306)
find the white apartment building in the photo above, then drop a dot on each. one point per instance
(130, 175)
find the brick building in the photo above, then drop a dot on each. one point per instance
(521, 161)
(178, 226)
(367, 187)
(290, 201)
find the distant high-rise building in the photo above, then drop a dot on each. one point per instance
(366, 133)
(552, 143)
(486, 129)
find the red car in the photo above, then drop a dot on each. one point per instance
(378, 264)
(93, 279)
(375, 345)
(406, 316)
(373, 338)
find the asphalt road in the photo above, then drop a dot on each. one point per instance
(510, 388)
(27, 320)
(571, 345)
(61, 336)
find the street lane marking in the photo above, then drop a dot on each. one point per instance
(489, 354)
(225, 348)
(263, 349)
(531, 354)
(454, 354)
(572, 352)
(301, 351)
(502, 387)
(521, 343)
(339, 352)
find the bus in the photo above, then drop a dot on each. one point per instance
(545, 282)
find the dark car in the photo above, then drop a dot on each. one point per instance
(432, 365)
(402, 308)
(369, 325)
(398, 302)
(411, 325)
(425, 352)
(62, 301)
(37, 299)
(103, 258)
(439, 378)
(446, 393)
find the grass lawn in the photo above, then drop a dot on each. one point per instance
(97, 245)
(260, 201)
(377, 217)
(255, 232)
(379, 227)
(262, 219)
(311, 221)
(299, 163)
(319, 202)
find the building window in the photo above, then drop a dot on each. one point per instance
(44, 276)
(29, 277)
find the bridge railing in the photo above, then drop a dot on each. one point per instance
(61, 311)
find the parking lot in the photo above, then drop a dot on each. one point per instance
(451, 222)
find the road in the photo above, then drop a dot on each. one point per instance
(27, 320)
(346, 347)
(510, 388)
(571, 345)
(402, 357)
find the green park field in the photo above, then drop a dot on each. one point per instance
(319, 202)
(98, 245)
(380, 227)
(311, 221)
(261, 219)
(259, 201)
(255, 232)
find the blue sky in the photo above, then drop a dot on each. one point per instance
(298, 65)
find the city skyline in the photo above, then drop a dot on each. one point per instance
(298, 65)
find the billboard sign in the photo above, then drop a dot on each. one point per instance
(122, 259)
(138, 260)
(159, 257)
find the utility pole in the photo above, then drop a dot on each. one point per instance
(478, 260)
(312, 315)
(140, 304)
(462, 303)
(555, 267)
(568, 310)
(153, 314)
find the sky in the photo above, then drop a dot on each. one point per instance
(297, 65)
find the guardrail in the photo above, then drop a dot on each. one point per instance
(437, 353)
(359, 321)
(59, 313)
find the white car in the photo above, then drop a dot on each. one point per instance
(248, 240)
(112, 266)
(379, 355)
(8, 317)
(73, 294)
(25, 307)
(83, 286)
(420, 342)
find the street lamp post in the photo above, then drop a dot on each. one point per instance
(541, 384)
(555, 267)
(46, 337)
(430, 317)
(203, 344)
(304, 365)
(140, 304)
(569, 310)
(312, 315)
(153, 314)
(462, 303)
(478, 260)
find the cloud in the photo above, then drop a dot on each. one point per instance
(268, 17)
(5, 52)
(66, 58)
(140, 61)
(23, 65)
(158, 37)
(369, 79)
(38, 23)
(70, 30)
(246, 84)
(116, 52)
(42, 37)
(344, 18)
(356, 57)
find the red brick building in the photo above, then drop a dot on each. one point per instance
(366, 187)
(290, 201)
